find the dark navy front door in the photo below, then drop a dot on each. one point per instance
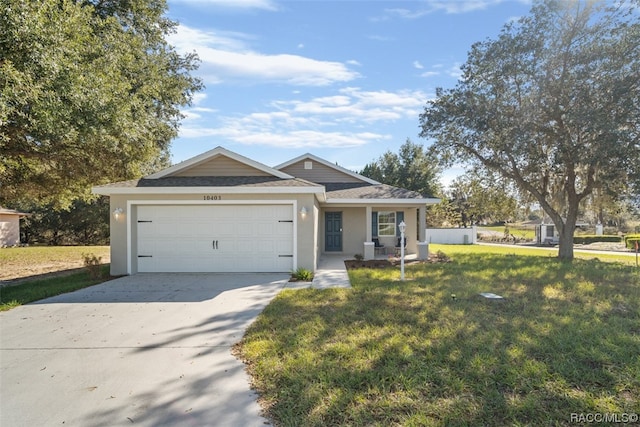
(333, 231)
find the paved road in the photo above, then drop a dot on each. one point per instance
(142, 350)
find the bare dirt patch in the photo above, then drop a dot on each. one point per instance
(33, 262)
(394, 262)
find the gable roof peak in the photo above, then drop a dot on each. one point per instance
(328, 164)
(211, 154)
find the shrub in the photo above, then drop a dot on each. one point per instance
(630, 240)
(358, 257)
(302, 274)
(592, 238)
(441, 257)
(93, 265)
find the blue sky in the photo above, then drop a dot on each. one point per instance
(344, 80)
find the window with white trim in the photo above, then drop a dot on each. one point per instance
(386, 223)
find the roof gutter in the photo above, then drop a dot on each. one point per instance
(107, 191)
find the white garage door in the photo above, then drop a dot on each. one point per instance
(221, 238)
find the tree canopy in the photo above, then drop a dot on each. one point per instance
(552, 104)
(90, 92)
(412, 168)
(481, 197)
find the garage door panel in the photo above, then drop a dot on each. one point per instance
(225, 238)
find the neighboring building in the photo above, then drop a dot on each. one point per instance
(547, 233)
(221, 211)
(10, 227)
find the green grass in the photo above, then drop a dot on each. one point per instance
(530, 251)
(13, 296)
(566, 340)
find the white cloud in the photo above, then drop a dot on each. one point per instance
(429, 74)
(462, 6)
(418, 65)
(187, 39)
(288, 139)
(309, 138)
(347, 118)
(455, 71)
(408, 14)
(293, 69)
(447, 6)
(353, 106)
(226, 56)
(193, 114)
(199, 97)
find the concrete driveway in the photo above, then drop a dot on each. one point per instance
(143, 350)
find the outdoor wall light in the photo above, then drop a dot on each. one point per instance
(303, 212)
(116, 213)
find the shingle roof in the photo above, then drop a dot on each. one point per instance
(334, 191)
(212, 181)
(7, 211)
(368, 191)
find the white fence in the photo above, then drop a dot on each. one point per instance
(452, 236)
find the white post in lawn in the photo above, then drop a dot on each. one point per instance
(402, 226)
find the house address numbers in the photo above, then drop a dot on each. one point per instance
(212, 197)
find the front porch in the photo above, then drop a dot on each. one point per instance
(372, 231)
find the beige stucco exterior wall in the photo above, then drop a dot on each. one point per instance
(118, 235)
(306, 228)
(354, 228)
(9, 230)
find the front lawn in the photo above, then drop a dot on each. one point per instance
(35, 290)
(28, 261)
(609, 256)
(431, 351)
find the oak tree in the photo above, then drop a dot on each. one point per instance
(481, 197)
(553, 104)
(90, 92)
(412, 168)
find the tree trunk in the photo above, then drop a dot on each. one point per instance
(565, 245)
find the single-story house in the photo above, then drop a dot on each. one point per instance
(10, 227)
(223, 212)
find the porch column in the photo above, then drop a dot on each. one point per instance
(423, 245)
(368, 250)
(422, 226)
(368, 223)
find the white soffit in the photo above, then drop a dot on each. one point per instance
(203, 190)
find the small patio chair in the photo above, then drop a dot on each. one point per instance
(377, 246)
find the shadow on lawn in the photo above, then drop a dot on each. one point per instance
(565, 340)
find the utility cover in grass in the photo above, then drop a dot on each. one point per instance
(489, 295)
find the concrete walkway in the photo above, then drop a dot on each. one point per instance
(331, 273)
